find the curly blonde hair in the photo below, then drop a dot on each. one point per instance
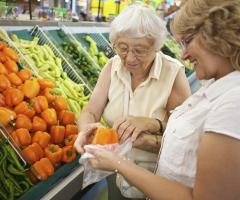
(218, 23)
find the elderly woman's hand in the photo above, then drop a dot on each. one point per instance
(131, 127)
(85, 136)
(104, 160)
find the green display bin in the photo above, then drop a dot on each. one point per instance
(23, 34)
(102, 43)
(43, 187)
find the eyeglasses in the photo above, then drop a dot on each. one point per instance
(186, 41)
(123, 50)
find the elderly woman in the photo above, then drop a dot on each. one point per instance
(200, 153)
(138, 87)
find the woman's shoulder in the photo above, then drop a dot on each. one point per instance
(114, 63)
(232, 96)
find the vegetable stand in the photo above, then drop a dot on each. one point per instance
(76, 55)
(41, 188)
(51, 64)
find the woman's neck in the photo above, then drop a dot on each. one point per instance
(138, 78)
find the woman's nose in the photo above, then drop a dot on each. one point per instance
(130, 55)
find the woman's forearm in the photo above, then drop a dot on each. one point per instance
(154, 187)
(86, 117)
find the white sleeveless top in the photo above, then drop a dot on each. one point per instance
(149, 99)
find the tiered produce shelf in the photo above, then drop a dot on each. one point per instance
(72, 72)
(76, 55)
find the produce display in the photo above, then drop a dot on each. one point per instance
(43, 60)
(98, 56)
(171, 44)
(103, 45)
(76, 55)
(39, 122)
(167, 51)
(14, 180)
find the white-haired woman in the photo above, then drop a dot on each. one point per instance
(138, 87)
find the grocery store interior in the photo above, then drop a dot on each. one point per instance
(52, 38)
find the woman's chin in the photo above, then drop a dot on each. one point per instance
(200, 76)
(132, 67)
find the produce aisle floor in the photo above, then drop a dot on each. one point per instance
(97, 192)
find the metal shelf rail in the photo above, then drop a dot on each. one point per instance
(103, 44)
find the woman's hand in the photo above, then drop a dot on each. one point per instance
(140, 140)
(104, 160)
(85, 136)
(131, 127)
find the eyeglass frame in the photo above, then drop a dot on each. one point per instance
(133, 51)
(186, 41)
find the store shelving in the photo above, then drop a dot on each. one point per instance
(73, 38)
(75, 54)
(102, 43)
(72, 71)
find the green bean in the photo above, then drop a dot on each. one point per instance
(2, 179)
(2, 195)
(13, 170)
(17, 194)
(25, 186)
(2, 191)
(10, 186)
(3, 157)
(13, 157)
(11, 178)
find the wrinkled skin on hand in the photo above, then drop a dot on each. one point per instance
(140, 140)
(85, 136)
(132, 127)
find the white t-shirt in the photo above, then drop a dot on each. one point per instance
(215, 107)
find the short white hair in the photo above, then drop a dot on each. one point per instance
(139, 21)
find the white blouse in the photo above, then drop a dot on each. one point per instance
(215, 107)
(149, 99)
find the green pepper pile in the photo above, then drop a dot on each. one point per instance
(80, 59)
(14, 181)
(98, 56)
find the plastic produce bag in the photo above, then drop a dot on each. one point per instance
(91, 175)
